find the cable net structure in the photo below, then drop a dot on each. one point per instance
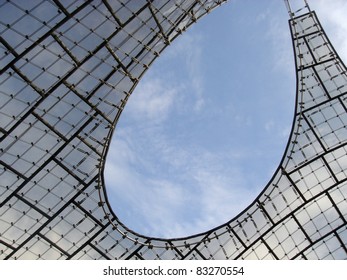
(67, 71)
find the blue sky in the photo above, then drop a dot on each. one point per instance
(208, 124)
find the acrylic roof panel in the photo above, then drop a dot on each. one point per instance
(67, 71)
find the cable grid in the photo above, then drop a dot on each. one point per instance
(67, 71)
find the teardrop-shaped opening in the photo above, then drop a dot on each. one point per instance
(207, 126)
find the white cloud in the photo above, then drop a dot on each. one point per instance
(152, 101)
(332, 15)
(161, 185)
(189, 51)
(197, 194)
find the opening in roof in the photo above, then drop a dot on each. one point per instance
(207, 126)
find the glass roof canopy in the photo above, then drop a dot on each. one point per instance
(67, 71)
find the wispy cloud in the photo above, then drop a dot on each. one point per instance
(177, 204)
(160, 181)
(189, 52)
(332, 15)
(147, 170)
(152, 101)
